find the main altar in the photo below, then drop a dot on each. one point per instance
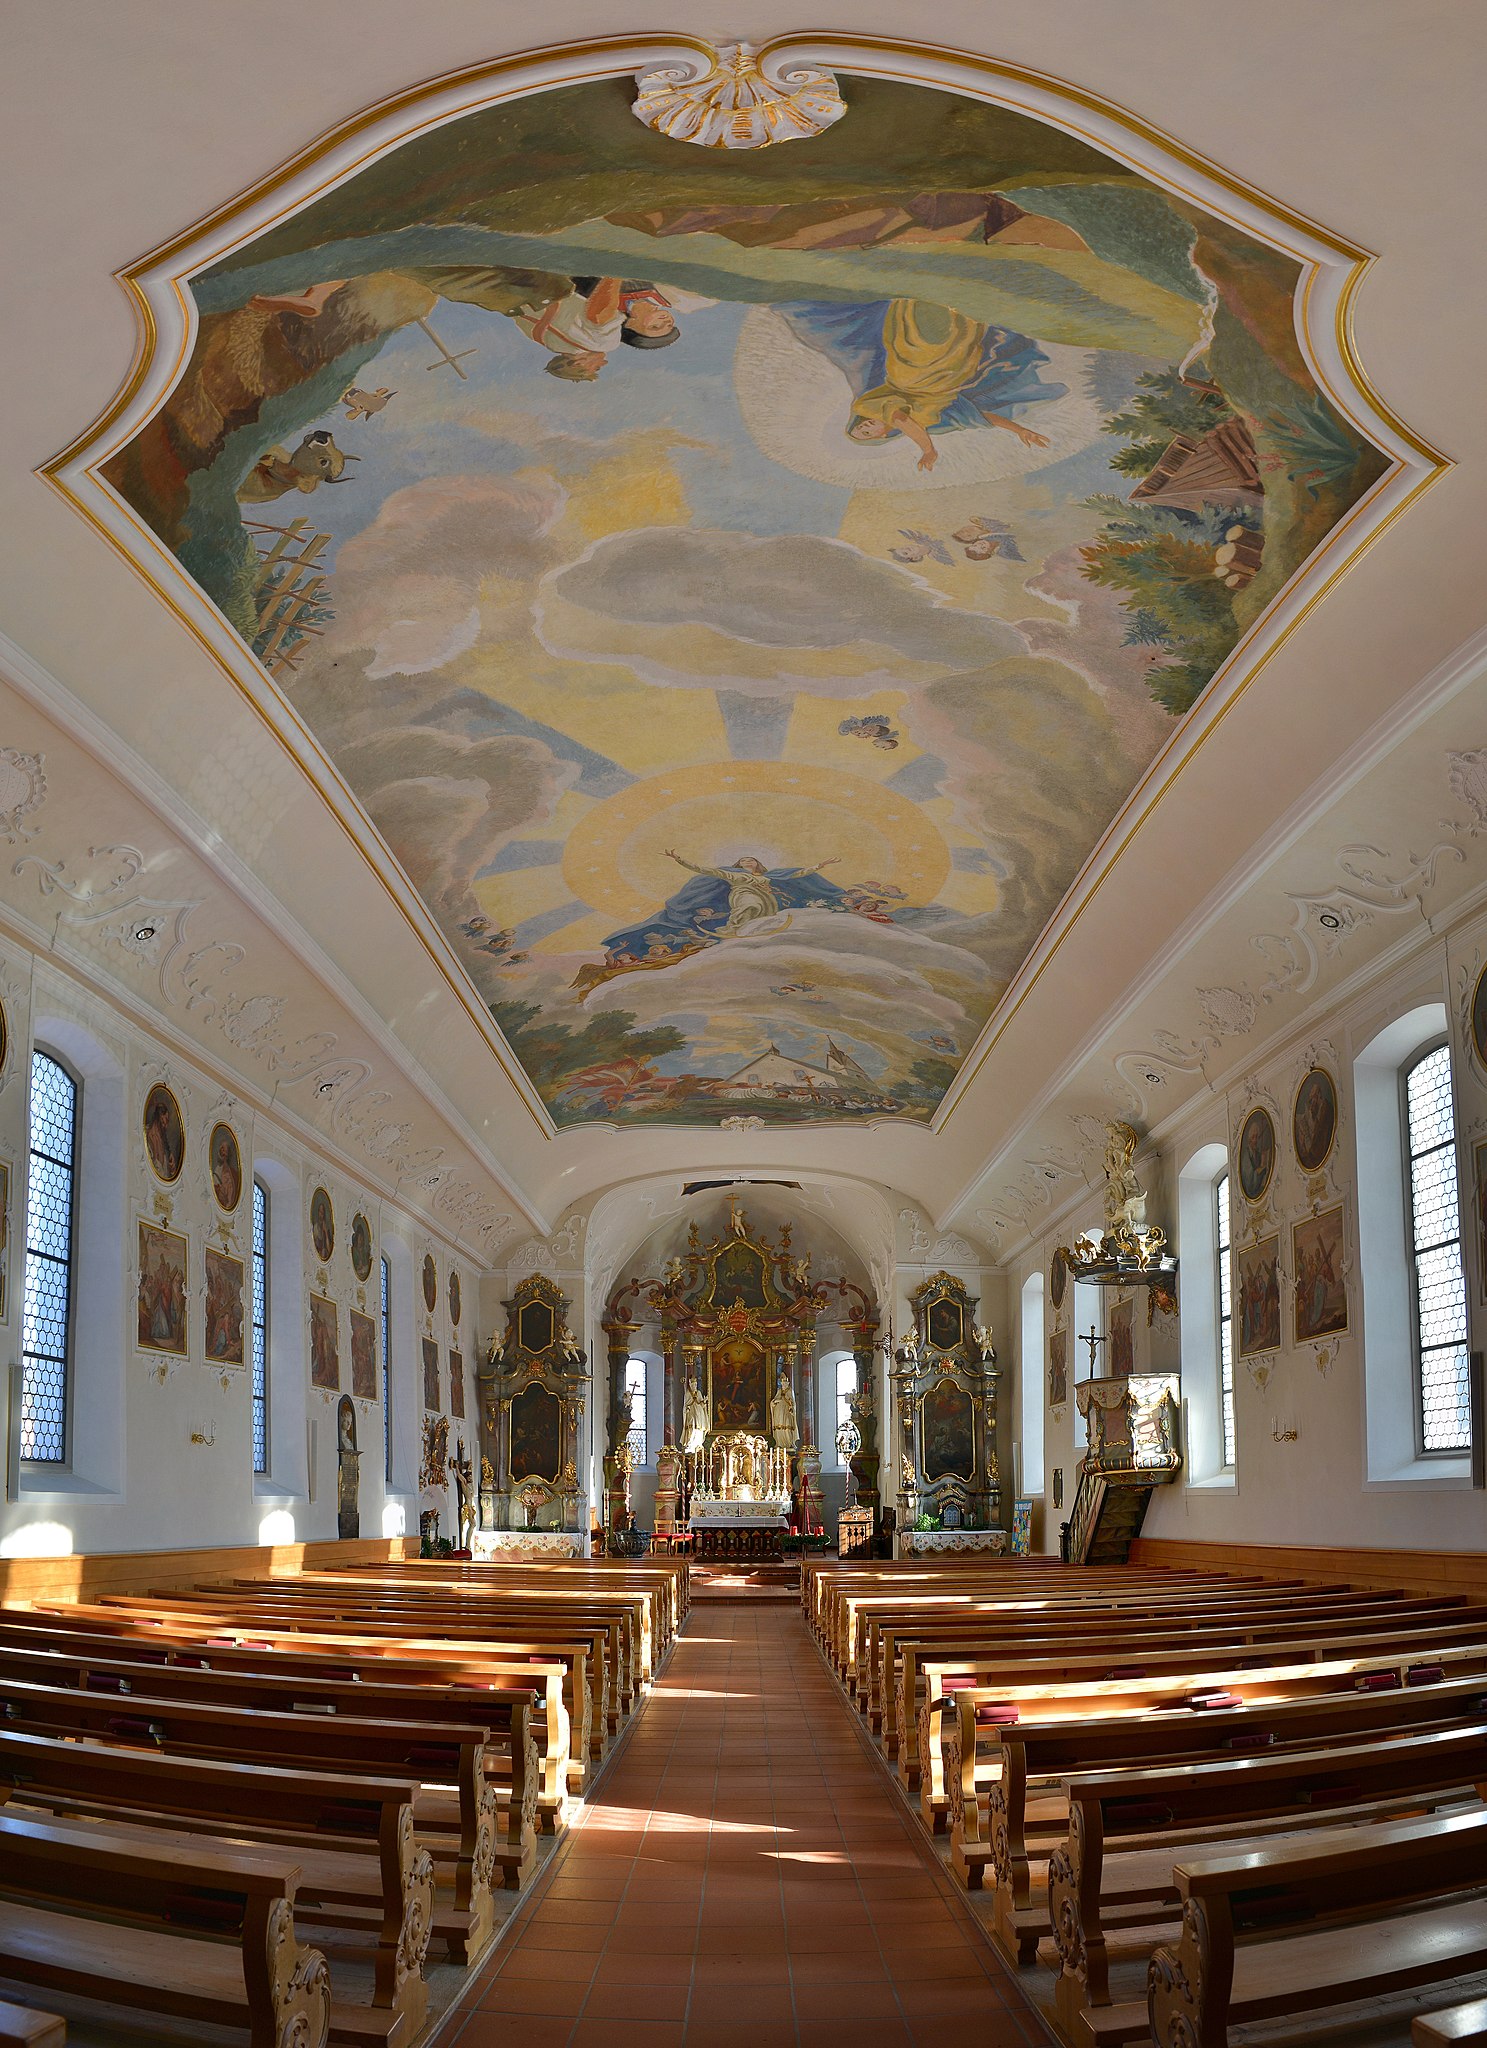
(738, 1462)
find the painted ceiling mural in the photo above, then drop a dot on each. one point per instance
(742, 590)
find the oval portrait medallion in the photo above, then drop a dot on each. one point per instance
(430, 1282)
(226, 1159)
(361, 1246)
(165, 1133)
(1256, 1161)
(455, 1299)
(1058, 1280)
(322, 1224)
(1479, 1019)
(1314, 1119)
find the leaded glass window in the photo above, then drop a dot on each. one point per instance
(46, 1314)
(635, 1381)
(1439, 1284)
(260, 1327)
(846, 1386)
(1226, 1312)
(387, 1366)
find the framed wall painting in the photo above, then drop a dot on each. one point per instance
(1255, 1163)
(1058, 1281)
(1314, 1119)
(165, 1134)
(325, 1344)
(1321, 1297)
(363, 1356)
(361, 1247)
(1479, 1195)
(322, 1225)
(161, 1314)
(456, 1299)
(1257, 1282)
(430, 1283)
(457, 1384)
(431, 1374)
(225, 1158)
(224, 1313)
(1479, 1019)
(1058, 1368)
(1122, 1339)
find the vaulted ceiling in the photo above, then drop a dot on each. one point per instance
(798, 737)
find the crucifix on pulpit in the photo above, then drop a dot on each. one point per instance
(1094, 1343)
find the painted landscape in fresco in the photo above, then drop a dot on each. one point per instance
(742, 590)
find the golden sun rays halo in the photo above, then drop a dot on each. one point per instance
(782, 812)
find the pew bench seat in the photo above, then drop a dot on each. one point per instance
(21, 2026)
(1458, 2026)
(1278, 1932)
(125, 1925)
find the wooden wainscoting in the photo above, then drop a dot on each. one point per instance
(1424, 1571)
(25, 1581)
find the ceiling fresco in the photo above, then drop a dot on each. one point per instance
(742, 591)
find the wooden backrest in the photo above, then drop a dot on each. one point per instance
(1393, 1864)
(135, 1880)
(21, 2027)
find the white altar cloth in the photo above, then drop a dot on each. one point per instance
(528, 1544)
(923, 1542)
(737, 1514)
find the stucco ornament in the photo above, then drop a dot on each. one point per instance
(734, 103)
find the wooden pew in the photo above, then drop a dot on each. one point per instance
(275, 1659)
(352, 1838)
(1047, 1753)
(1040, 1687)
(1458, 2026)
(22, 2027)
(124, 1924)
(1124, 1826)
(461, 1826)
(1279, 1932)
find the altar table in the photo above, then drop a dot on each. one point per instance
(925, 1542)
(528, 1546)
(744, 1529)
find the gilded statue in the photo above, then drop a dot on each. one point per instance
(783, 1426)
(1125, 1198)
(694, 1418)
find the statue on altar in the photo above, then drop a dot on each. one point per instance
(783, 1425)
(694, 1419)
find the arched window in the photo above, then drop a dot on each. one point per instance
(639, 1435)
(260, 1327)
(1224, 1292)
(386, 1367)
(846, 1387)
(51, 1208)
(1437, 1282)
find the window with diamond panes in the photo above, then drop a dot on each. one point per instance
(386, 1366)
(46, 1314)
(260, 1327)
(1226, 1312)
(1436, 1270)
(635, 1381)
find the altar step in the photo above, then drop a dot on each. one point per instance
(746, 1581)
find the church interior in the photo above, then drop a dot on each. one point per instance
(743, 1026)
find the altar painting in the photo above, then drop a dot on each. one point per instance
(948, 1432)
(536, 1434)
(740, 1385)
(742, 591)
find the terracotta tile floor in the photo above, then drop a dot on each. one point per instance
(744, 1875)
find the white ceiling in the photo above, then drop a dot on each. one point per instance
(123, 126)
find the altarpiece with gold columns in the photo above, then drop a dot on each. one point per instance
(533, 1388)
(944, 1381)
(738, 1337)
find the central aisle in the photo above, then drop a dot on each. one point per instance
(744, 1876)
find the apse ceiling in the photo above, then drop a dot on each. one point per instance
(741, 589)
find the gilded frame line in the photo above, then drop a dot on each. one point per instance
(1333, 270)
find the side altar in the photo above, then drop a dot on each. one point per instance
(533, 1391)
(738, 1458)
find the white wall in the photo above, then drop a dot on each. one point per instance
(1349, 1475)
(160, 1451)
